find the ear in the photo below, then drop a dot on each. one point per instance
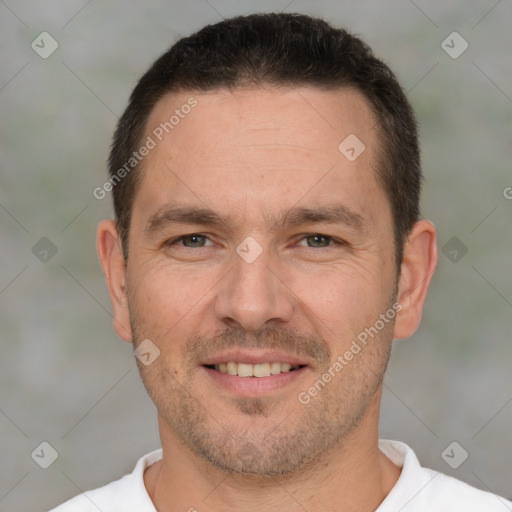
(418, 265)
(110, 254)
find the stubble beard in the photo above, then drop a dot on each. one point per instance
(291, 444)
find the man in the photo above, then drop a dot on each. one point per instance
(266, 251)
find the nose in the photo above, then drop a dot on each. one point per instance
(253, 294)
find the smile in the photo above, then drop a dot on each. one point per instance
(254, 370)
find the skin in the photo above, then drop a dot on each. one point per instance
(251, 154)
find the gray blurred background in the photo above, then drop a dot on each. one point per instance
(66, 379)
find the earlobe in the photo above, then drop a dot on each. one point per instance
(418, 265)
(114, 267)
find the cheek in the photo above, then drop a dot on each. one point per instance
(342, 301)
(160, 299)
(158, 312)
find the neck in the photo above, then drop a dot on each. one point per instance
(355, 475)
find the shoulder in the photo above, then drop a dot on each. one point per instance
(124, 495)
(421, 489)
(457, 495)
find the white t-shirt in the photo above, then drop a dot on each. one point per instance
(417, 490)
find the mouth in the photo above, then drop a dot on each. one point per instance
(257, 370)
(254, 373)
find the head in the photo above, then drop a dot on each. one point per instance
(288, 155)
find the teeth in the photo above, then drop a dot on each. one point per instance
(232, 368)
(275, 368)
(260, 370)
(245, 370)
(254, 370)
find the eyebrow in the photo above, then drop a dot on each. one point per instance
(296, 216)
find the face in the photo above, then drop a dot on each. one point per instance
(257, 247)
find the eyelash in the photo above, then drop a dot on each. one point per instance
(336, 241)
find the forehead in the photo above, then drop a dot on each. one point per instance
(303, 119)
(260, 144)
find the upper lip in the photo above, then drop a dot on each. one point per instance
(255, 356)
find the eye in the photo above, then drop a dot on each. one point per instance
(193, 240)
(198, 241)
(318, 240)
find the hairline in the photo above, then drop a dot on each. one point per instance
(382, 157)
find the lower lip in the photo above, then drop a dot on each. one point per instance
(250, 386)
